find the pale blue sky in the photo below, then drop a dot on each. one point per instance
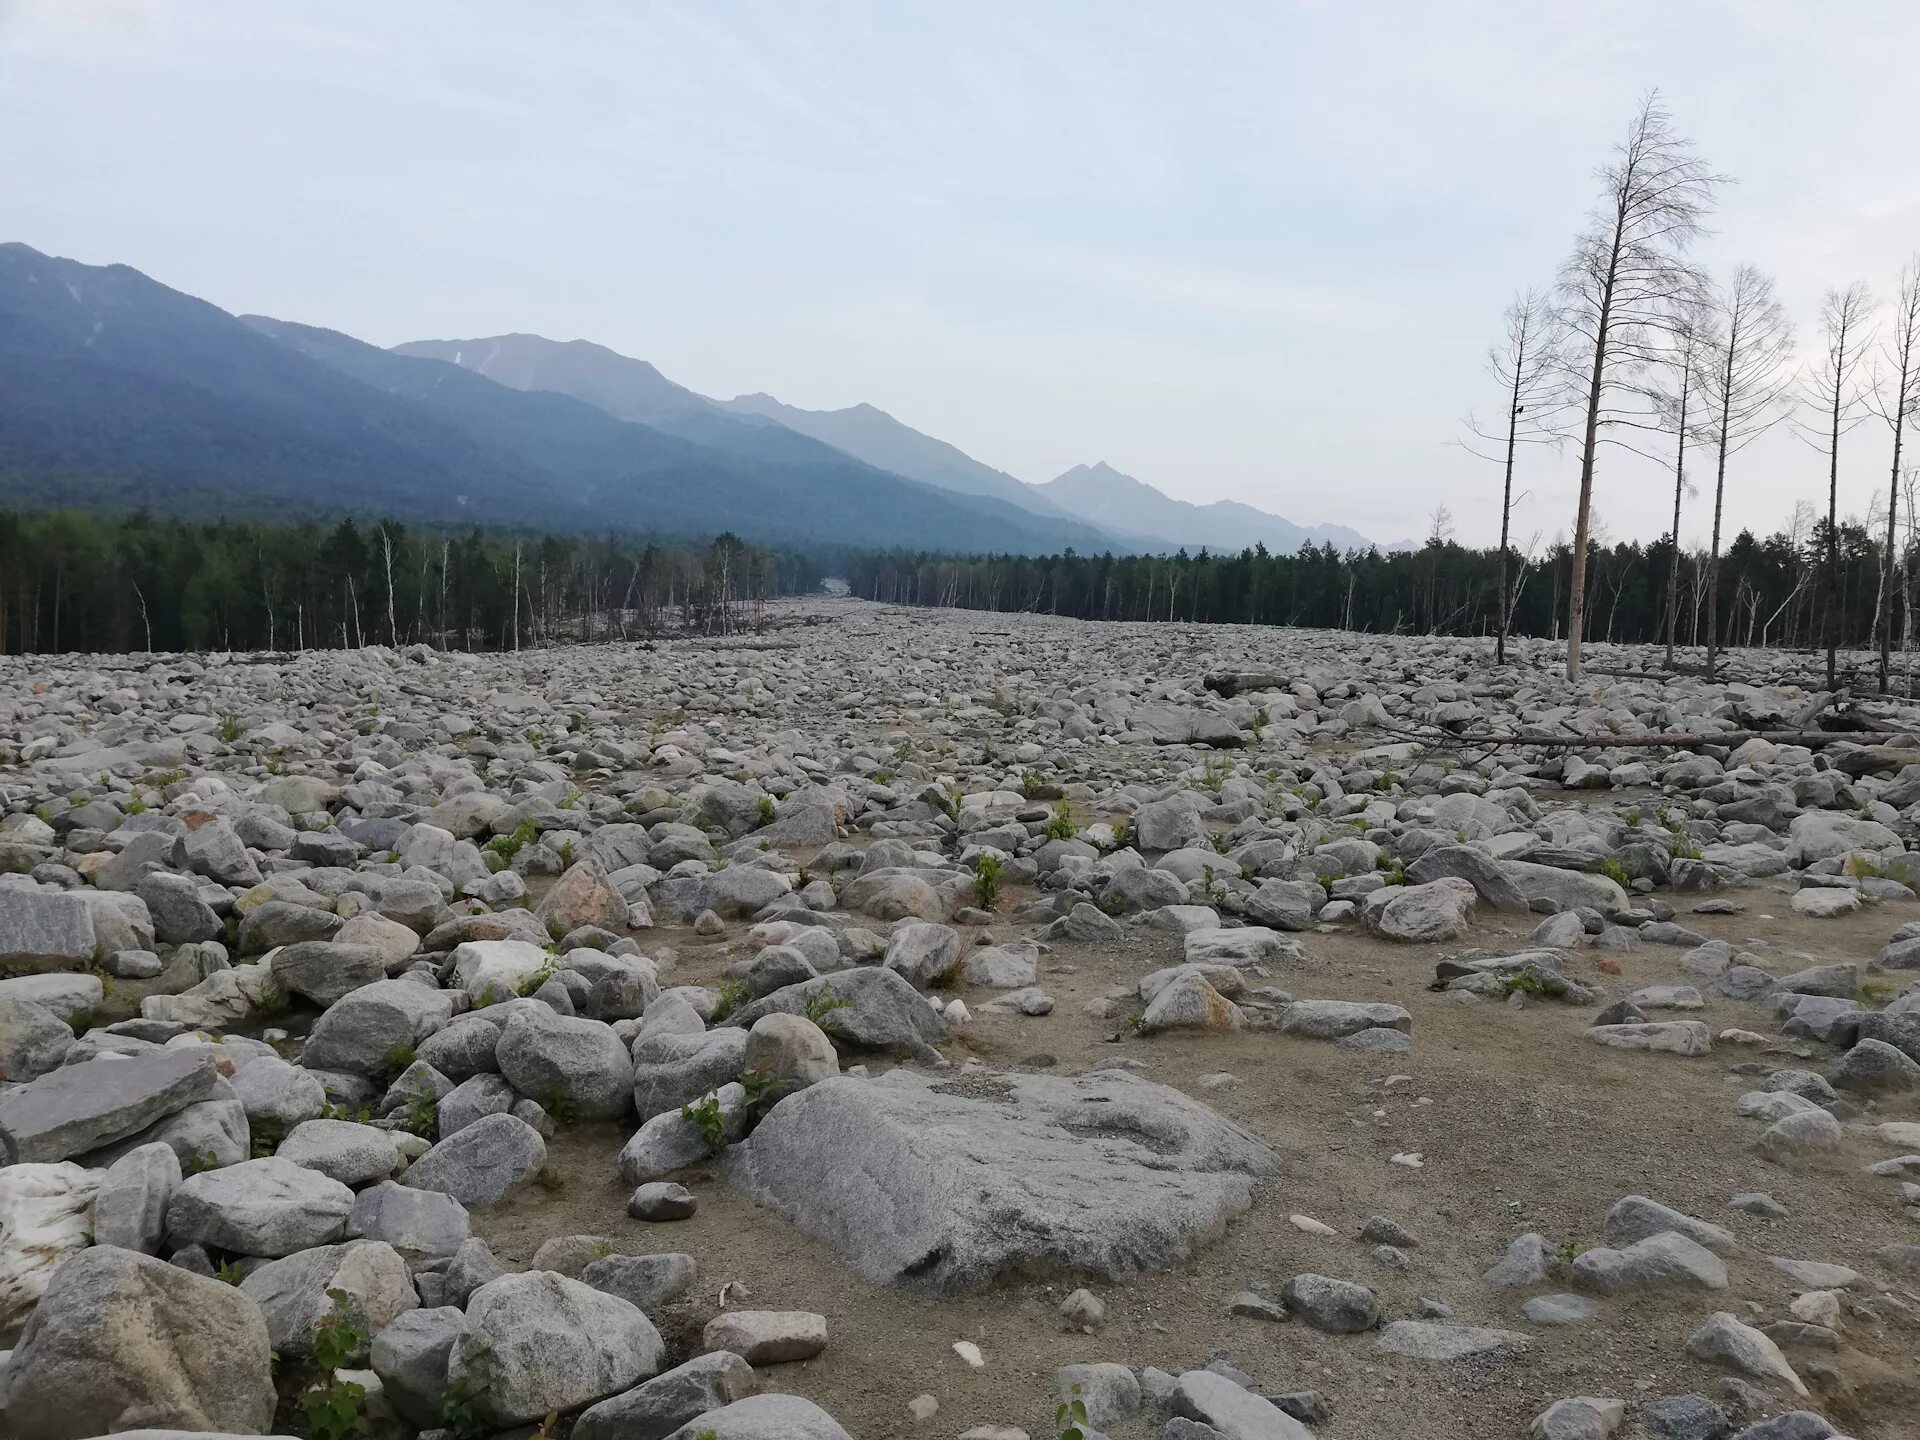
(1247, 251)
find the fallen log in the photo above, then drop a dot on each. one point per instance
(1679, 740)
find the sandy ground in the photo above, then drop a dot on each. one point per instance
(1522, 1125)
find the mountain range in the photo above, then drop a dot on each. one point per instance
(123, 393)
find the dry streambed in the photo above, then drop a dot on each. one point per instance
(882, 1027)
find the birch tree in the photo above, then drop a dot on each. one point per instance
(1617, 292)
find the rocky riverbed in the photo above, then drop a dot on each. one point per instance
(896, 1021)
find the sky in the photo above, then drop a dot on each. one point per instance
(1249, 251)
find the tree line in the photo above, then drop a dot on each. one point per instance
(1638, 347)
(1758, 591)
(71, 581)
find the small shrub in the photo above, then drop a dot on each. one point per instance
(540, 977)
(393, 1064)
(1214, 774)
(1123, 832)
(705, 1116)
(1030, 785)
(1070, 1416)
(1061, 826)
(229, 1272)
(986, 879)
(1396, 876)
(458, 1413)
(200, 1160)
(422, 1115)
(229, 728)
(335, 1409)
(765, 807)
(510, 845)
(733, 994)
(266, 1137)
(1615, 872)
(1218, 839)
(560, 1105)
(821, 1004)
(764, 1091)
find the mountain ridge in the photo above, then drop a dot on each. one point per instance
(1133, 513)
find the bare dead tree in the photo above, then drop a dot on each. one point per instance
(1618, 288)
(1527, 365)
(1833, 393)
(1673, 391)
(1744, 389)
(1895, 398)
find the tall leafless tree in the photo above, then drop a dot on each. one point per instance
(1675, 389)
(1834, 393)
(1744, 389)
(1618, 289)
(1895, 398)
(1527, 365)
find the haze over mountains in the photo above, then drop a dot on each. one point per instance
(121, 393)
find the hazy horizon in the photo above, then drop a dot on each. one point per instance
(1253, 254)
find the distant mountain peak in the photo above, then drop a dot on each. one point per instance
(1122, 502)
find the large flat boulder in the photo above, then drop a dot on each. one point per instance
(958, 1182)
(44, 929)
(82, 1107)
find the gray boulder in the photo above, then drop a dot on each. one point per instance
(296, 1293)
(648, 1281)
(410, 1356)
(673, 1068)
(365, 1030)
(536, 1342)
(259, 1207)
(277, 1096)
(44, 929)
(281, 922)
(1103, 1172)
(790, 1051)
(1489, 878)
(666, 1402)
(1873, 1067)
(764, 1417)
(1331, 1019)
(1635, 1217)
(342, 1150)
(1232, 1410)
(130, 1208)
(325, 971)
(885, 1011)
(924, 954)
(1422, 914)
(420, 1224)
(33, 1040)
(569, 1065)
(1339, 1307)
(81, 1107)
(122, 1341)
(484, 1164)
(1664, 1260)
